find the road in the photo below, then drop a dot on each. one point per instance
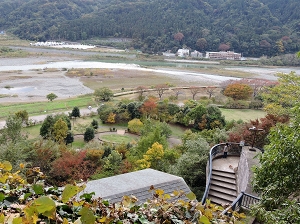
(41, 118)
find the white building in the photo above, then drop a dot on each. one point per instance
(183, 52)
(196, 54)
(224, 55)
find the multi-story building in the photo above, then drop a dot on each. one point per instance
(224, 55)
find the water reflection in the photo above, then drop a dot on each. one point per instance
(15, 90)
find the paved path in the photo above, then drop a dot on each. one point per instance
(40, 118)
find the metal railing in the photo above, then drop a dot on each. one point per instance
(215, 151)
(243, 200)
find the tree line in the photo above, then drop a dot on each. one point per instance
(253, 28)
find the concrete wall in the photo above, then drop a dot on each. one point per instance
(243, 173)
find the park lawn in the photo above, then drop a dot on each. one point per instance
(115, 138)
(242, 114)
(32, 131)
(177, 130)
(38, 108)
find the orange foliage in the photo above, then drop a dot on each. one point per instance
(238, 91)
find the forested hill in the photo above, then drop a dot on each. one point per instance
(252, 27)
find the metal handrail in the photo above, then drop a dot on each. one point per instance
(214, 152)
(243, 200)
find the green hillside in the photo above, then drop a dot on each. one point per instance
(251, 27)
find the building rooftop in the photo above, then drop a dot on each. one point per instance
(135, 183)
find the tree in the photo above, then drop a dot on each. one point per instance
(94, 124)
(194, 91)
(191, 166)
(153, 157)
(149, 108)
(197, 114)
(60, 130)
(103, 94)
(277, 177)
(224, 47)
(135, 126)
(201, 44)
(178, 36)
(12, 130)
(23, 114)
(111, 118)
(89, 134)
(51, 97)
(279, 99)
(238, 91)
(210, 91)
(141, 90)
(104, 112)
(75, 112)
(160, 89)
(69, 138)
(46, 130)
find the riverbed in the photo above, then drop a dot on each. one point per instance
(32, 78)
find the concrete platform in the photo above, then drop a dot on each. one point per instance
(228, 164)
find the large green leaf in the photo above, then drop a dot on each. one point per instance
(87, 216)
(45, 206)
(70, 191)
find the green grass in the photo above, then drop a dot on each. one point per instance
(177, 131)
(38, 108)
(118, 138)
(243, 114)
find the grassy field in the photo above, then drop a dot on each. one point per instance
(38, 108)
(243, 114)
(115, 138)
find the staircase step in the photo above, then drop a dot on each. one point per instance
(219, 201)
(223, 179)
(223, 190)
(223, 184)
(218, 194)
(224, 174)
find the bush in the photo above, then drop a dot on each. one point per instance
(237, 104)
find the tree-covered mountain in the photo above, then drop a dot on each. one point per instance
(252, 27)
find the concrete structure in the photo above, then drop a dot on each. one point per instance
(224, 55)
(137, 184)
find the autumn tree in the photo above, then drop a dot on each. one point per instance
(149, 107)
(111, 118)
(153, 157)
(224, 47)
(51, 97)
(178, 36)
(238, 91)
